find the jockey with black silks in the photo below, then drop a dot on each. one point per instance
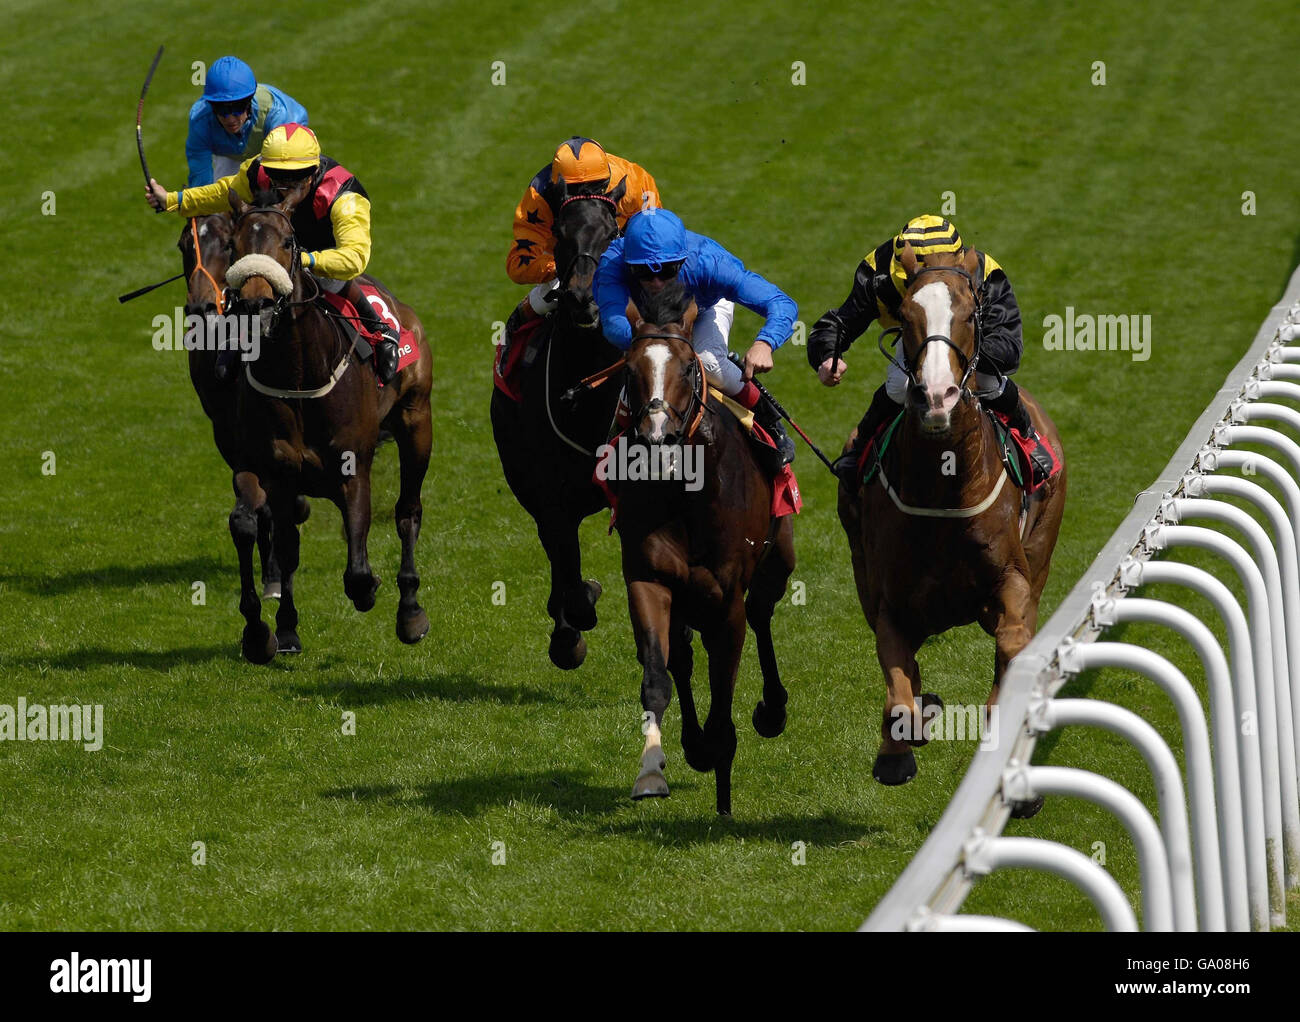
(331, 223)
(878, 288)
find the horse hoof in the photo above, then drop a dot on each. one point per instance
(271, 591)
(413, 627)
(769, 722)
(301, 510)
(288, 642)
(650, 784)
(1024, 810)
(568, 649)
(893, 769)
(259, 645)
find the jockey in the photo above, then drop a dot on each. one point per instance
(579, 166)
(228, 123)
(331, 222)
(655, 249)
(878, 288)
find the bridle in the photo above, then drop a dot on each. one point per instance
(968, 363)
(688, 419)
(567, 270)
(219, 291)
(282, 302)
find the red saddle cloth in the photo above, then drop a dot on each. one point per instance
(1026, 466)
(506, 377)
(786, 499)
(407, 350)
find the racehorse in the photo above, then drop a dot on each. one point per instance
(205, 254)
(308, 418)
(945, 542)
(547, 445)
(704, 554)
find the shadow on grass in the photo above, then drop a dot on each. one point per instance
(448, 688)
(824, 831)
(145, 659)
(120, 576)
(566, 791)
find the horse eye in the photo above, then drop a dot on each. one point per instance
(288, 242)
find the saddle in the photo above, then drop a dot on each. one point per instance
(1013, 451)
(346, 315)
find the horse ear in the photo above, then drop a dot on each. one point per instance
(907, 259)
(688, 320)
(296, 194)
(633, 315)
(236, 203)
(618, 191)
(971, 262)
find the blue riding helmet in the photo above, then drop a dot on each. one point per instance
(229, 80)
(654, 237)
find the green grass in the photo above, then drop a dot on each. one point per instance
(1122, 199)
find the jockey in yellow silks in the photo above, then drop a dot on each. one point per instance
(331, 222)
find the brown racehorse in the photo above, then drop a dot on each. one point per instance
(944, 544)
(693, 550)
(205, 254)
(316, 433)
(548, 445)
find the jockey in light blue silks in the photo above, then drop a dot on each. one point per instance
(229, 122)
(655, 249)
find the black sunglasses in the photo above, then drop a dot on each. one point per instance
(230, 109)
(666, 271)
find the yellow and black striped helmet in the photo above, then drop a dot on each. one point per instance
(927, 234)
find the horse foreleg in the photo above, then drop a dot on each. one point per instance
(650, 605)
(724, 645)
(286, 553)
(902, 726)
(258, 644)
(359, 582)
(681, 665)
(266, 553)
(414, 440)
(1012, 615)
(765, 591)
(559, 535)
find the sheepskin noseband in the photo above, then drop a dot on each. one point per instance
(259, 266)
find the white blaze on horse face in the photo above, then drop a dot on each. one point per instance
(659, 355)
(941, 386)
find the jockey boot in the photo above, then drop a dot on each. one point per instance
(881, 410)
(766, 415)
(386, 334)
(523, 313)
(1042, 460)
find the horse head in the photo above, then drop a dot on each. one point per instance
(265, 269)
(939, 319)
(585, 224)
(665, 381)
(205, 256)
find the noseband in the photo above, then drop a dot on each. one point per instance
(968, 363)
(689, 419)
(285, 301)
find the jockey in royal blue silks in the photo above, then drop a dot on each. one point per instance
(229, 122)
(656, 249)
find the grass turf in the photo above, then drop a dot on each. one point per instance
(1123, 198)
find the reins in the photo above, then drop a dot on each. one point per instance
(199, 267)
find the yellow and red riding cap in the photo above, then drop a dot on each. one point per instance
(579, 161)
(927, 234)
(290, 147)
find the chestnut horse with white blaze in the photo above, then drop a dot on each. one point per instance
(945, 542)
(704, 554)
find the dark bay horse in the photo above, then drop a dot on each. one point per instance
(205, 254)
(942, 542)
(694, 548)
(308, 418)
(547, 445)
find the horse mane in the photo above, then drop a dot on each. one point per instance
(668, 306)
